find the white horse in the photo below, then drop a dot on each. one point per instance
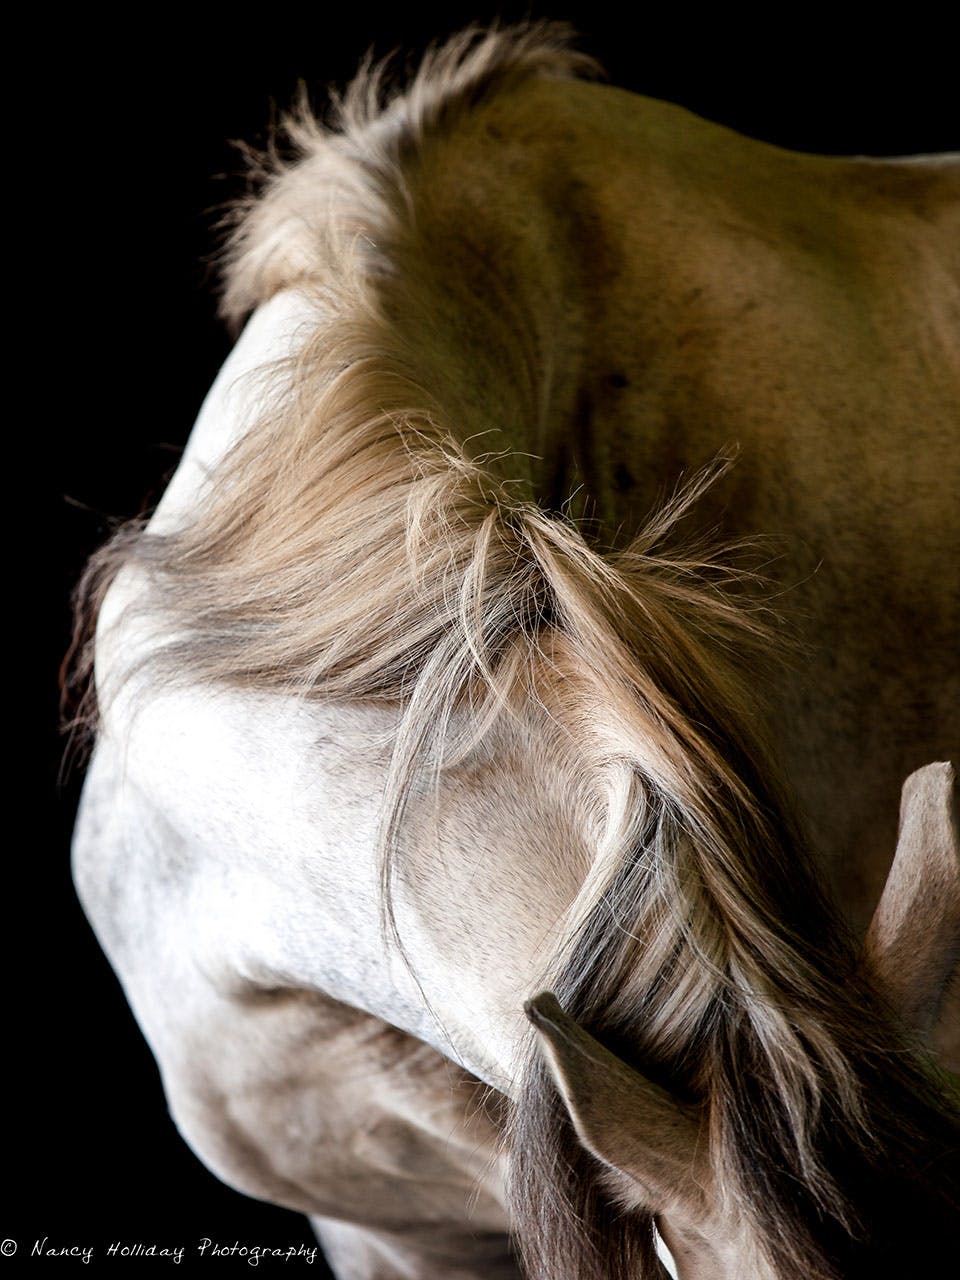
(416, 700)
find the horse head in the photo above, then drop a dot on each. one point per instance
(655, 1149)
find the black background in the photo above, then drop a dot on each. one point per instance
(118, 157)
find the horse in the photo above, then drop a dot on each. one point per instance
(500, 721)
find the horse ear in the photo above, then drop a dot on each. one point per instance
(625, 1120)
(912, 947)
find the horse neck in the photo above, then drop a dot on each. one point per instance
(612, 284)
(615, 299)
(580, 285)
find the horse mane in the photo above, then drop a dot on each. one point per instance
(355, 546)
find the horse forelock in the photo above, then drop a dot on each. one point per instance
(355, 547)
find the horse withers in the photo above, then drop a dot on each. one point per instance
(421, 693)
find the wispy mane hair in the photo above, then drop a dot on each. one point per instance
(355, 545)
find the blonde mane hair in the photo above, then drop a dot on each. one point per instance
(356, 545)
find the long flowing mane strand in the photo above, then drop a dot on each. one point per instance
(356, 546)
(351, 441)
(707, 957)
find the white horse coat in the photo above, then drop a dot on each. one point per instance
(226, 846)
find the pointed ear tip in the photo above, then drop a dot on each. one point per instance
(932, 784)
(542, 1008)
(938, 773)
